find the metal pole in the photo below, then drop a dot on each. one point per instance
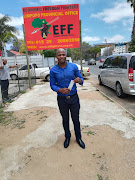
(107, 47)
(27, 58)
(66, 51)
(81, 49)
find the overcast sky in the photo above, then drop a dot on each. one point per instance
(101, 19)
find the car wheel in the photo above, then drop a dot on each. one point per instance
(119, 90)
(14, 77)
(48, 78)
(100, 81)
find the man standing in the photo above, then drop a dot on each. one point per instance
(68, 100)
(5, 79)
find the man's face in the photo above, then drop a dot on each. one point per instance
(61, 56)
(4, 61)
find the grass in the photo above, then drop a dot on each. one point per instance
(101, 178)
(90, 133)
(84, 89)
(132, 117)
(7, 118)
(107, 98)
(23, 92)
(99, 157)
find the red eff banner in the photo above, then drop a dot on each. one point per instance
(52, 27)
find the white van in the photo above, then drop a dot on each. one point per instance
(118, 73)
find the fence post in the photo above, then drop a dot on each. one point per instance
(27, 58)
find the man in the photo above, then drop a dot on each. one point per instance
(68, 100)
(44, 30)
(5, 79)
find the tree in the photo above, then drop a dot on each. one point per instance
(108, 51)
(6, 31)
(132, 45)
(17, 44)
(49, 53)
(94, 51)
(132, 3)
(75, 52)
(85, 50)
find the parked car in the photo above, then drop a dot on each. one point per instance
(100, 57)
(118, 73)
(102, 60)
(86, 71)
(45, 75)
(22, 72)
(91, 62)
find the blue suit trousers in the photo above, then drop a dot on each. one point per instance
(71, 105)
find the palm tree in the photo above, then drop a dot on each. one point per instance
(132, 3)
(6, 31)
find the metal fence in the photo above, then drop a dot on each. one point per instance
(20, 83)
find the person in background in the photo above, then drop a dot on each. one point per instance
(4, 71)
(60, 77)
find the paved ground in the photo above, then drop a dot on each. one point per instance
(107, 130)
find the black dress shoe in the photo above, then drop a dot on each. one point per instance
(66, 143)
(81, 143)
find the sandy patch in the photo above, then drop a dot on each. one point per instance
(107, 155)
(24, 122)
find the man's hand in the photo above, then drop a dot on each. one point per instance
(77, 80)
(64, 90)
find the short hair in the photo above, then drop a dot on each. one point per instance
(60, 49)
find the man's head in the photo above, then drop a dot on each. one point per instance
(4, 61)
(61, 55)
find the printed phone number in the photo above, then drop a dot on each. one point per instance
(68, 40)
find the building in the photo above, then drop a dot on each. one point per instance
(118, 48)
(121, 48)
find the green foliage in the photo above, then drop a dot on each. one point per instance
(74, 53)
(94, 51)
(6, 31)
(49, 53)
(132, 45)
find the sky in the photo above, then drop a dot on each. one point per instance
(101, 19)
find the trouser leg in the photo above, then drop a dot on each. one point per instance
(64, 111)
(4, 89)
(74, 109)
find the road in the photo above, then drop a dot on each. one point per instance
(128, 102)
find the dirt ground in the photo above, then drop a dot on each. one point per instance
(108, 154)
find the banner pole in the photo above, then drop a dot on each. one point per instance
(81, 50)
(27, 57)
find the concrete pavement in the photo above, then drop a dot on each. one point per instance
(95, 110)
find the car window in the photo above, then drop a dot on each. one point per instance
(120, 62)
(124, 62)
(25, 67)
(132, 62)
(116, 62)
(108, 62)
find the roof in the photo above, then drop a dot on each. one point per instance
(16, 53)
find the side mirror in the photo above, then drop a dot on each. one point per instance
(100, 67)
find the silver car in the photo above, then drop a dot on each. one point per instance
(118, 73)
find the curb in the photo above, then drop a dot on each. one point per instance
(114, 101)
